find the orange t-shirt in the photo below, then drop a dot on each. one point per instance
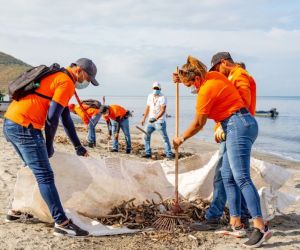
(217, 97)
(89, 111)
(115, 111)
(32, 109)
(245, 85)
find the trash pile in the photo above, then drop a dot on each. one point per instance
(145, 214)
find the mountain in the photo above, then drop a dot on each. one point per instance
(10, 68)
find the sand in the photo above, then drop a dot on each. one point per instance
(38, 235)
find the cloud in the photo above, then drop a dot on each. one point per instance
(137, 42)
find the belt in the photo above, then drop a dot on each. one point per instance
(242, 111)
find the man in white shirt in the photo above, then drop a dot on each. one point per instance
(156, 109)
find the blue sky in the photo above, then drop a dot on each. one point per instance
(135, 43)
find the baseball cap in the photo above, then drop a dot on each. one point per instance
(89, 67)
(103, 108)
(216, 59)
(156, 85)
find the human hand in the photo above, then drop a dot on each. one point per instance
(116, 136)
(143, 122)
(81, 151)
(219, 135)
(175, 77)
(50, 151)
(177, 141)
(152, 120)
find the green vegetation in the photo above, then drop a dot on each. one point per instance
(10, 68)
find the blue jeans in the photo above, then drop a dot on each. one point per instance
(162, 129)
(124, 125)
(241, 131)
(218, 203)
(91, 128)
(30, 145)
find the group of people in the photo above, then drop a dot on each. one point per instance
(117, 116)
(226, 93)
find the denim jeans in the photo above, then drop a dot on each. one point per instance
(91, 137)
(162, 129)
(124, 125)
(218, 203)
(30, 145)
(241, 131)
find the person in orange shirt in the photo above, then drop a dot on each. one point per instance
(116, 118)
(23, 124)
(90, 116)
(219, 100)
(222, 62)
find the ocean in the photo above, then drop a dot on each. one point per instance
(280, 136)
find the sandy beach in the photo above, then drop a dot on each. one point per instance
(38, 235)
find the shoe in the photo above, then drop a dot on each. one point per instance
(92, 144)
(238, 232)
(258, 237)
(246, 223)
(128, 151)
(170, 157)
(17, 216)
(146, 156)
(207, 225)
(114, 150)
(70, 229)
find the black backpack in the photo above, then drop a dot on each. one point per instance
(29, 81)
(92, 103)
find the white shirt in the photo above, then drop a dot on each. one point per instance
(155, 102)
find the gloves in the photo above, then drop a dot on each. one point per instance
(220, 135)
(151, 120)
(80, 150)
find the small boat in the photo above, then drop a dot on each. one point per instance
(273, 113)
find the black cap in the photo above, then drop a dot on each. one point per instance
(216, 59)
(103, 109)
(89, 67)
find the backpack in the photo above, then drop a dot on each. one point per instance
(29, 81)
(92, 103)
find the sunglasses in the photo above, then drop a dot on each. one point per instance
(187, 74)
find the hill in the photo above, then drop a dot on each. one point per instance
(10, 68)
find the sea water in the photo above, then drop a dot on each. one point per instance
(280, 136)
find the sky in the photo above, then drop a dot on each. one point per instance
(134, 43)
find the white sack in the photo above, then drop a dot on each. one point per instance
(92, 187)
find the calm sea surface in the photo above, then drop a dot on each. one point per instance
(280, 136)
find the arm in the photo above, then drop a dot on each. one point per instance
(162, 111)
(196, 125)
(54, 112)
(71, 132)
(146, 113)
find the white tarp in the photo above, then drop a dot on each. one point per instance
(91, 187)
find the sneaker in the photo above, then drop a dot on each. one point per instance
(258, 237)
(114, 150)
(92, 144)
(146, 156)
(128, 151)
(69, 229)
(246, 223)
(17, 216)
(170, 157)
(238, 232)
(207, 225)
